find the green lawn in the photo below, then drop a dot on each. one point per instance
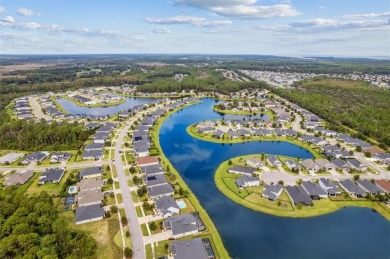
(144, 230)
(53, 189)
(116, 183)
(139, 211)
(134, 196)
(119, 197)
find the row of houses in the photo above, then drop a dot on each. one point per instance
(95, 149)
(22, 109)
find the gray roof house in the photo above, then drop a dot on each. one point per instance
(94, 146)
(206, 130)
(218, 134)
(273, 160)
(291, 164)
(89, 172)
(246, 181)
(167, 206)
(352, 189)
(93, 154)
(314, 190)
(152, 169)
(60, 157)
(232, 134)
(298, 195)
(369, 187)
(95, 183)
(35, 157)
(324, 164)
(10, 158)
(265, 132)
(189, 249)
(328, 186)
(356, 164)
(89, 213)
(239, 169)
(18, 178)
(158, 191)
(272, 192)
(340, 164)
(244, 132)
(182, 225)
(89, 197)
(310, 165)
(290, 132)
(154, 180)
(52, 175)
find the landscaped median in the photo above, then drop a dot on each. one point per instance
(211, 231)
(208, 137)
(251, 197)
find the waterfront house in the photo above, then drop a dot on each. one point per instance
(369, 187)
(148, 160)
(159, 191)
(218, 134)
(154, 169)
(292, 164)
(298, 195)
(314, 190)
(232, 134)
(206, 130)
(329, 187)
(274, 160)
(166, 206)
(272, 192)
(154, 180)
(239, 169)
(181, 225)
(290, 132)
(244, 132)
(352, 189)
(383, 185)
(256, 163)
(247, 181)
(189, 249)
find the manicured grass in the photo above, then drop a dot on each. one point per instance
(139, 211)
(119, 197)
(148, 249)
(130, 182)
(113, 170)
(283, 206)
(109, 200)
(189, 209)
(212, 233)
(116, 183)
(191, 130)
(134, 196)
(144, 230)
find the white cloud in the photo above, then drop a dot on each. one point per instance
(26, 12)
(2, 9)
(242, 9)
(366, 15)
(161, 30)
(332, 24)
(8, 19)
(193, 20)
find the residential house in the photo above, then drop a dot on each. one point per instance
(148, 160)
(218, 134)
(329, 187)
(18, 178)
(52, 175)
(159, 191)
(383, 158)
(239, 169)
(310, 165)
(190, 249)
(232, 134)
(206, 130)
(291, 164)
(247, 181)
(314, 190)
(90, 172)
(37, 157)
(182, 225)
(266, 133)
(166, 206)
(93, 154)
(341, 165)
(90, 184)
(89, 214)
(141, 151)
(10, 158)
(272, 192)
(256, 163)
(298, 195)
(273, 160)
(89, 197)
(154, 180)
(154, 169)
(60, 157)
(290, 132)
(369, 187)
(324, 164)
(352, 189)
(356, 164)
(383, 184)
(244, 132)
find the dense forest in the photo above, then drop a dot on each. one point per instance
(30, 136)
(31, 228)
(353, 104)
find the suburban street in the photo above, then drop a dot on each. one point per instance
(135, 230)
(36, 109)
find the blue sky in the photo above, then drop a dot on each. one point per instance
(351, 28)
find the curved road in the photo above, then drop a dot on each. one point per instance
(132, 219)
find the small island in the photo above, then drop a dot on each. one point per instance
(242, 179)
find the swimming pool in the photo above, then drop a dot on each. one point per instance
(181, 204)
(72, 189)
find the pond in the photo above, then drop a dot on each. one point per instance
(130, 102)
(348, 233)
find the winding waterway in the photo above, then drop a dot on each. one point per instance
(347, 233)
(130, 102)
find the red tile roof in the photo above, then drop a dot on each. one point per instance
(383, 184)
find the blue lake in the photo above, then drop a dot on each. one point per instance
(130, 102)
(347, 233)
